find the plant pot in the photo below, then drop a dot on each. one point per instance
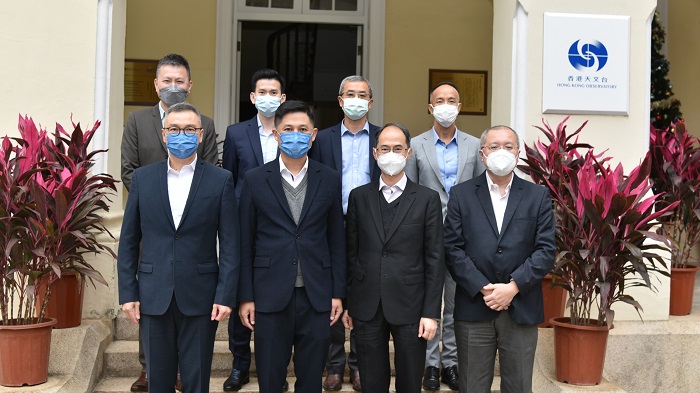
(66, 301)
(682, 289)
(24, 353)
(579, 351)
(554, 301)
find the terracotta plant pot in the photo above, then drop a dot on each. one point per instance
(66, 302)
(554, 301)
(24, 353)
(579, 351)
(682, 289)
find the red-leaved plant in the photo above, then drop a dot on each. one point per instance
(50, 205)
(603, 221)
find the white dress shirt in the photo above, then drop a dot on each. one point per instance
(499, 202)
(291, 179)
(391, 193)
(179, 184)
(268, 143)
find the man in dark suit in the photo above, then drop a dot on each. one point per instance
(169, 280)
(499, 243)
(142, 143)
(395, 254)
(347, 148)
(293, 256)
(248, 145)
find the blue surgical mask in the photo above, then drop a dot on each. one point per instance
(294, 144)
(267, 104)
(182, 145)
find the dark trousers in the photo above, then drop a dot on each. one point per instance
(373, 354)
(336, 351)
(142, 355)
(174, 338)
(299, 327)
(477, 343)
(239, 342)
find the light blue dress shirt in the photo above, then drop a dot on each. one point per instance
(448, 160)
(355, 160)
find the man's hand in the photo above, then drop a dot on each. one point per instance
(501, 295)
(246, 311)
(347, 320)
(427, 328)
(219, 312)
(132, 310)
(336, 310)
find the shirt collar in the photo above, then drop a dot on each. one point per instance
(493, 185)
(401, 184)
(344, 129)
(303, 169)
(162, 114)
(192, 165)
(436, 138)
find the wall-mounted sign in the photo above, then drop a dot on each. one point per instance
(470, 84)
(585, 64)
(138, 82)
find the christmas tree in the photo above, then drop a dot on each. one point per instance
(665, 108)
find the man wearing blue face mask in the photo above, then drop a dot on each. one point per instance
(179, 256)
(250, 144)
(293, 256)
(347, 148)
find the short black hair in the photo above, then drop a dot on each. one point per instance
(183, 107)
(443, 83)
(266, 73)
(292, 106)
(400, 127)
(173, 59)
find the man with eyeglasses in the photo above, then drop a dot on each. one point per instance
(442, 157)
(179, 256)
(293, 271)
(347, 148)
(142, 143)
(396, 268)
(499, 244)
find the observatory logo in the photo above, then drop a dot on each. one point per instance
(588, 56)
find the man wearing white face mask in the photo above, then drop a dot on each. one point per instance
(499, 244)
(395, 268)
(347, 148)
(442, 157)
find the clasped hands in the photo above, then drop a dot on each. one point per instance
(498, 296)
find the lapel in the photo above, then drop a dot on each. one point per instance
(313, 180)
(428, 146)
(163, 178)
(158, 126)
(482, 193)
(274, 179)
(198, 174)
(337, 148)
(372, 145)
(374, 211)
(516, 194)
(407, 198)
(254, 137)
(463, 153)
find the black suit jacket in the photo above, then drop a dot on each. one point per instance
(242, 151)
(405, 269)
(328, 150)
(477, 254)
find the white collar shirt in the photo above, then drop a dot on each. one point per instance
(268, 143)
(291, 179)
(179, 184)
(499, 202)
(162, 114)
(392, 193)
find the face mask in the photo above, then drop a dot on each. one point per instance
(172, 95)
(294, 144)
(267, 104)
(355, 107)
(445, 114)
(182, 145)
(501, 162)
(391, 163)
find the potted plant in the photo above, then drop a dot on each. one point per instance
(675, 176)
(603, 221)
(49, 214)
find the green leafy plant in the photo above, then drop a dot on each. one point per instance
(50, 207)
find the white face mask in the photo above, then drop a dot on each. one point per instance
(501, 162)
(355, 107)
(267, 104)
(391, 163)
(445, 114)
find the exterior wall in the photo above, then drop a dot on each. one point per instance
(421, 35)
(682, 52)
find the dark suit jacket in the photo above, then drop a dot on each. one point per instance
(477, 254)
(142, 142)
(404, 270)
(182, 261)
(242, 151)
(328, 150)
(272, 244)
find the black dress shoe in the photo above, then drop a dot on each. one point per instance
(431, 378)
(236, 380)
(450, 377)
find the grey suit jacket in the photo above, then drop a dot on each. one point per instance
(142, 142)
(422, 167)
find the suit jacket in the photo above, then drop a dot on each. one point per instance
(422, 167)
(142, 142)
(273, 244)
(242, 151)
(328, 150)
(477, 254)
(405, 269)
(179, 262)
